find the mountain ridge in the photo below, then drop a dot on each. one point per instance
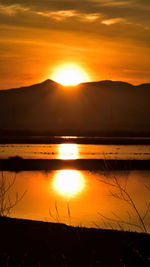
(49, 82)
(104, 107)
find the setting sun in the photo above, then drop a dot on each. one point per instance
(70, 74)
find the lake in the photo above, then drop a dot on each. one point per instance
(80, 198)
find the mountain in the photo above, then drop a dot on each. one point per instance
(108, 108)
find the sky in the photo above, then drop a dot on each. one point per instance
(109, 39)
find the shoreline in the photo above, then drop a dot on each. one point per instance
(76, 140)
(19, 164)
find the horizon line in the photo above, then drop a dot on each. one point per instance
(89, 82)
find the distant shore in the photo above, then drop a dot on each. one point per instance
(20, 164)
(77, 140)
(34, 243)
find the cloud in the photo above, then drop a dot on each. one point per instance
(12, 10)
(130, 18)
(58, 15)
(116, 3)
(89, 6)
(109, 22)
(91, 17)
(64, 14)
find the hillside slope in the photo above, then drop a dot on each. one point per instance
(99, 108)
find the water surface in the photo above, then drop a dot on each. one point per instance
(80, 197)
(75, 151)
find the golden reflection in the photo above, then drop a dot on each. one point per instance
(68, 151)
(69, 137)
(68, 182)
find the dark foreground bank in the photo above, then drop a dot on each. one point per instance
(30, 243)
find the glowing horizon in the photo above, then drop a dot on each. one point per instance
(100, 37)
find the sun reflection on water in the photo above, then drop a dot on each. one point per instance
(68, 151)
(68, 183)
(68, 137)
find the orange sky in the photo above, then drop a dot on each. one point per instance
(108, 39)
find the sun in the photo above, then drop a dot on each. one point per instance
(70, 74)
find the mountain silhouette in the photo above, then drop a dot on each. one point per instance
(106, 108)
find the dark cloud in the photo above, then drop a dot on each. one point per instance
(110, 7)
